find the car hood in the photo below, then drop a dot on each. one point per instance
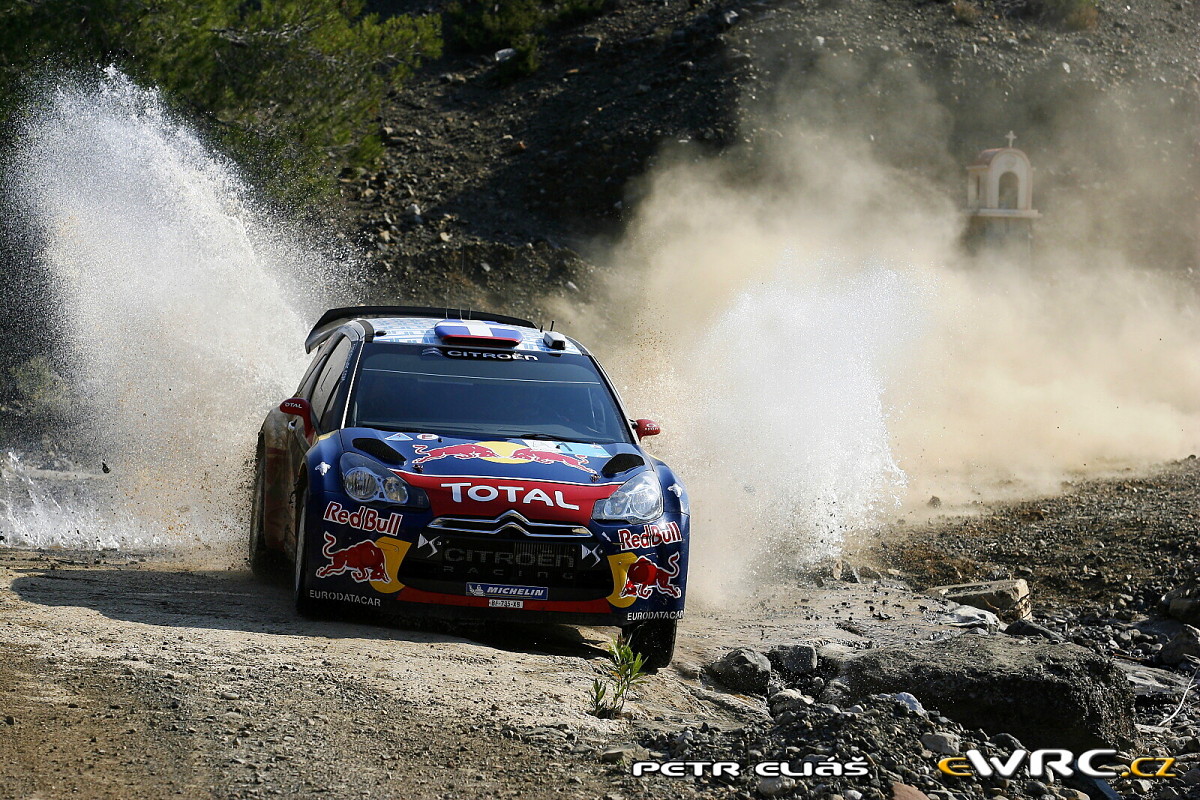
(496, 457)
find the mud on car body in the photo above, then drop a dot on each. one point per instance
(435, 465)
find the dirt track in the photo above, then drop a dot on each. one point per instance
(128, 679)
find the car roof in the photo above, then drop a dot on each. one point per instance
(417, 324)
(420, 330)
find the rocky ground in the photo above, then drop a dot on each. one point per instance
(150, 676)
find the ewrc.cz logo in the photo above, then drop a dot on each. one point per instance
(1048, 763)
(343, 598)
(365, 519)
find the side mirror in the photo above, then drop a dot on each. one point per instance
(646, 427)
(299, 407)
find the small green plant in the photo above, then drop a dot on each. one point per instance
(626, 671)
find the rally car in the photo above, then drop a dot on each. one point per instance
(472, 466)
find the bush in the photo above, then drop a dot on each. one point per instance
(1078, 15)
(291, 87)
(485, 26)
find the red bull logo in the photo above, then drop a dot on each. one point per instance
(365, 519)
(651, 536)
(502, 453)
(645, 577)
(363, 561)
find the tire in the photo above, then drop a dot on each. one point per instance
(265, 563)
(655, 640)
(304, 606)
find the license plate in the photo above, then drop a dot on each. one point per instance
(506, 603)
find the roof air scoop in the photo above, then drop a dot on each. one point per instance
(477, 332)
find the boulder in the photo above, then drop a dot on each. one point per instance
(1008, 600)
(793, 660)
(1046, 694)
(742, 670)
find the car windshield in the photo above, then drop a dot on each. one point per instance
(458, 392)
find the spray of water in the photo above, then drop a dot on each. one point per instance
(177, 298)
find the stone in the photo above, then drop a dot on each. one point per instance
(971, 618)
(742, 670)
(1024, 627)
(615, 755)
(942, 742)
(902, 791)
(1182, 603)
(1184, 645)
(1008, 599)
(769, 787)
(793, 660)
(788, 700)
(1046, 694)
(913, 703)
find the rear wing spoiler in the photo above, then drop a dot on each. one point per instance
(334, 318)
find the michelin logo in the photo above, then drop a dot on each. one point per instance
(501, 590)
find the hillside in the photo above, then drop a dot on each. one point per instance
(523, 174)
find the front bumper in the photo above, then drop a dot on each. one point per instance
(406, 567)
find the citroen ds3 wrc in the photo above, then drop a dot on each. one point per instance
(435, 464)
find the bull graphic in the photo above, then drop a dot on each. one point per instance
(461, 451)
(364, 561)
(644, 577)
(552, 457)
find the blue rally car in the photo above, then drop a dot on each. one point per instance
(434, 464)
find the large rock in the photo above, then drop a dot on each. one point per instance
(793, 660)
(1045, 694)
(1008, 600)
(742, 670)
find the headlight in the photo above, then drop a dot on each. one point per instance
(638, 500)
(365, 480)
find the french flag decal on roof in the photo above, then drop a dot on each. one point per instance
(472, 331)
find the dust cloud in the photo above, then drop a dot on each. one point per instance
(824, 353)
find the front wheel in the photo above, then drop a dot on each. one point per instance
(655, 640)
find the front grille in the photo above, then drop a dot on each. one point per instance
(508, 524)
(445, 563)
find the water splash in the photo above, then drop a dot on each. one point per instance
(177, 298)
